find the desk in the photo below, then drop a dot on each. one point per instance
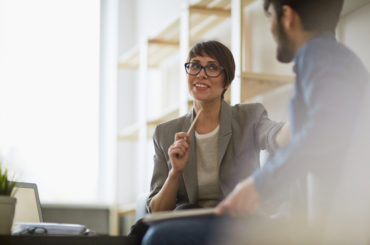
(63, 240)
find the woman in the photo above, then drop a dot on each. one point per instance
(202, 167)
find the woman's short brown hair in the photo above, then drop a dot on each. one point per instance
(221, 53)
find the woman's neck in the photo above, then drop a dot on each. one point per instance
(209, 118)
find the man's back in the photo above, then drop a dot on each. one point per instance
(327, 108)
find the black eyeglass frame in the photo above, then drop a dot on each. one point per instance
(203, 67)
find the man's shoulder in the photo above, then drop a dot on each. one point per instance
(329, 51)
(332, 55)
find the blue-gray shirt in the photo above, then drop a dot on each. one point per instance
(331, 83)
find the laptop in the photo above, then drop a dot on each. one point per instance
(28, 217)
(28, 207)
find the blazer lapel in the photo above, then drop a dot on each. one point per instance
(225, 130)
(190, 172)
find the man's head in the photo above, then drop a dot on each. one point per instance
(294, 21)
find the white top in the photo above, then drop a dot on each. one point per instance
(207, 152)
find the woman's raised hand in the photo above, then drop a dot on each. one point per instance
(179, 152)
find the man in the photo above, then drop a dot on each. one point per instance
(329, 99)
(327, 141)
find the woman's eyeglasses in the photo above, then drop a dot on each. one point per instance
(211, 70)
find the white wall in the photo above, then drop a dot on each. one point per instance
(49, 95)
(108, 100)
(354, 31)
(261, 48)
(152, 16)
(127, 106)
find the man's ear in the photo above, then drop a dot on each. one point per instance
(288, 17)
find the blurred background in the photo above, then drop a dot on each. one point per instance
(84, 82)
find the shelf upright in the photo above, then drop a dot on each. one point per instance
(142, 114)
(237, 8)
(184, 49)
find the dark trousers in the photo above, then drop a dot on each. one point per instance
(221, 230)
(139, 229)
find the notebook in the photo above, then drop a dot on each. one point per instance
(158, 216)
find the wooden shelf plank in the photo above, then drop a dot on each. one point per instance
(254, 84)
(167, 114)
(222, 12)
(170, 113)
(126, 209)
(168, 34)
(207, 24)
(130, 59)
(211, 3)
(163, 42)
(130, 133)
(202, 3)
(267, 77)
(159, 53)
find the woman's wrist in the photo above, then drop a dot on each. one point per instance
(173, 174)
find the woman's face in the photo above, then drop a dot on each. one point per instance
(203, 87)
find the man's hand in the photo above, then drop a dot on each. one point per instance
(244, 199)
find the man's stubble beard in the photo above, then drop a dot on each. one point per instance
(285, 47)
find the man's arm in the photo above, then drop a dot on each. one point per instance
(269, 135)
(283, 136)
(333, 101)
(244, 199)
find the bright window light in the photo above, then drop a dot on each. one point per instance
(49, 96)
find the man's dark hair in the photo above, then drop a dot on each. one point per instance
(316, 15)
(219, 52)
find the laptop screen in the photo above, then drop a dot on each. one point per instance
(28, 208)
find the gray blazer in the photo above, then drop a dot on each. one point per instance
(245, 129)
